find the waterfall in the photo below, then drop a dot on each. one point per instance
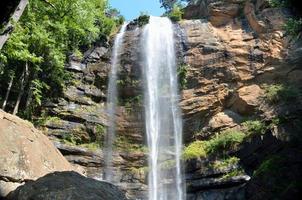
(112, 103)
(162, 114)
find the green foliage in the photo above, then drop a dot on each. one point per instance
(221, 143)
(254, 127)
(271, 165)
(44, 119)
(227, 140)
(196, 149)
(93, 146)
(124, 144)
(170, 4)
(279, 3)
(275, 174)
(225, 163)
(277, 93)
(131, 102)
(233, 173)
(175, 14)
(182, 73)
(293, 26)
(143, 19)
(72, 140)
(45, 35)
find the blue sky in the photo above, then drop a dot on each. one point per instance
(131, 9)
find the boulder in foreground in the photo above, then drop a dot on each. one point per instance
(25, 154)
(66, 185)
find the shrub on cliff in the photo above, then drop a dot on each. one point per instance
(278, 92)
(226, 141)
(196, 149)
(293, 26)
(223, 142)
(175, 14)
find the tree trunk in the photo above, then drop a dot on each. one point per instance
(15, 18)
(24, 78)
(8, 91)
(29, 96)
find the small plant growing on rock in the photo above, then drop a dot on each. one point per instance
(278, 3)
(196, 149)
(235, 172)
(227, 140)
(223, 142)
(225, 163)
(269, 166)
(277, 93)
(254, 127)
(182, 72)
(293, 26)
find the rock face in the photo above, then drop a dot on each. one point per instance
(230, 50)
(231, 53)
(66, 185)
(77, 121)
(25, 154)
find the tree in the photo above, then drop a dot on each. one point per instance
(38, 48)
(169, 4)
(9, 26)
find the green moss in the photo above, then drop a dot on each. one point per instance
(93, 146)
(236, 172)
(100, 131)
(196, 149)
(44, 119)
(122, 143)
(278, 92)
(225, 163)
(139, 170)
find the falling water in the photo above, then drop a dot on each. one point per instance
(112, 102)
(163, 117)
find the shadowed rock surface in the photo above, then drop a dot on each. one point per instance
(66, 185)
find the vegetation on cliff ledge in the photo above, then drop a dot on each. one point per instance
(220, 143)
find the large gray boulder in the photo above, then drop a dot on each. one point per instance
(25, 154)
(66, 185)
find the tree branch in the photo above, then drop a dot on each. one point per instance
(47, 2)
(15, 18)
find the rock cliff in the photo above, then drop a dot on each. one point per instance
(240, 100)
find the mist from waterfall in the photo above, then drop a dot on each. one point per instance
(162, 114)
(112, 103)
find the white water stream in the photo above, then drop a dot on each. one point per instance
(162, 114)
(112, 103)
